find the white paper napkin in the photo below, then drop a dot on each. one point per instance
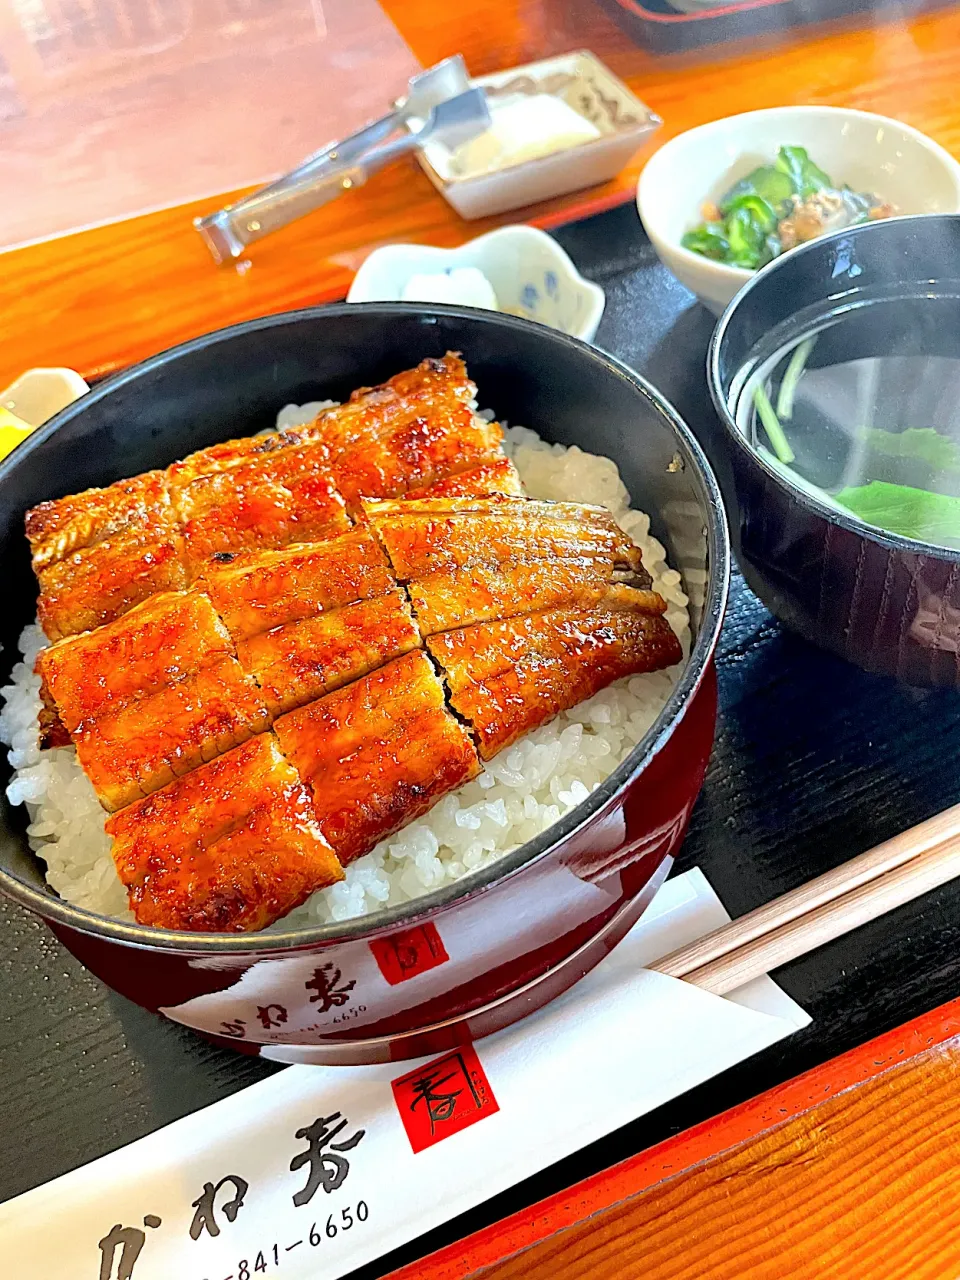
(318, 1170)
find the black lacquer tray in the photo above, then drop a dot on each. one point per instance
(815, 761)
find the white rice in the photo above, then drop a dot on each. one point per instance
(520, 793)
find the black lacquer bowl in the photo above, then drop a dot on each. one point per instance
(477, 954)
(885, 602)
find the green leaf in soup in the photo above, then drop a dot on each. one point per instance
(768, 182)
(771, 425)
(708, 240)
(806, 177)
(912, 513)
(920, 444)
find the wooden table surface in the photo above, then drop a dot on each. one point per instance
(106, 297)
(864, 1182)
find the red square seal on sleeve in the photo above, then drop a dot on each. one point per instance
(404, 955)
(442, 1097)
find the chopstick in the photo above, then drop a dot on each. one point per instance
(833, 904)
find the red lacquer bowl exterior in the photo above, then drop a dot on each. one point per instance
(475, 956)
(452, 972)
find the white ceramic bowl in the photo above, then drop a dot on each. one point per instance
(868, 152)
(531, 276)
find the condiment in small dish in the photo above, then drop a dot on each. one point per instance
(466, 286)
(519, 270)
(556, 126)
(524, 127)
(40, 393)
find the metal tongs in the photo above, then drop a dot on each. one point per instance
(451, 112)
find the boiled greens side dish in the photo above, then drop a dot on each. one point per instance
(776, 207)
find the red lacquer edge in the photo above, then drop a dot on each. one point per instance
(688, 1149)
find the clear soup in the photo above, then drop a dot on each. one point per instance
(861, 409)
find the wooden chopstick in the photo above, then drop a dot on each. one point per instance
(868, 886)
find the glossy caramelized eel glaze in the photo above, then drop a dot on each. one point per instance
(284, 648)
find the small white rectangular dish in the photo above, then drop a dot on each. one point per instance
(530, 274)
(600, 123)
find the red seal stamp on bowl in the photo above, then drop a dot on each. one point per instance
(403, 955)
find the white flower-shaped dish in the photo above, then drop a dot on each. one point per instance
(531, 276)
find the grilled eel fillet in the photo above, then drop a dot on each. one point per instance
(241, 841)
(479, 559)
(170, 685)
(255, 592)
(527, 607)
(378, 753)
(232, 846)
(524, 608)
(507, 677)
(308, 619)
(99, 553)
(152, 695)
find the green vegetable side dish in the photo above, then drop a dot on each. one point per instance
(777, 207)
